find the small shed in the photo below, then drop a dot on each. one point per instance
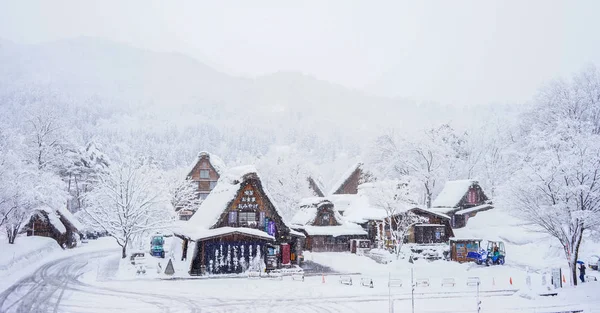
(58, 224)
(460, 247)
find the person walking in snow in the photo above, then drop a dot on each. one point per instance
(582, 272)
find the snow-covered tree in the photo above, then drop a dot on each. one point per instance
(397, 198)
(183, 194)
(129, 202)
(434, 157)
(285, 171)
(557, 183)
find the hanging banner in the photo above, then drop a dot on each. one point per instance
(271, 228)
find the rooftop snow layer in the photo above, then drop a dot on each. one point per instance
(346, 229)
(53, 219)
(344, 178)
(357, 208)
(433, 212)
(217, 232)
(453, 192)
(70, 218)
(474, 209)
(307, 212)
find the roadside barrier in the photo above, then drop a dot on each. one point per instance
(473, 281)
(253, 274)
(345, 280)
(275, 275)
(422, 282)
(448, 282)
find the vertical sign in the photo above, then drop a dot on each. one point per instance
(261, 220)
(556, 278)
(232, 217)
(271, 228)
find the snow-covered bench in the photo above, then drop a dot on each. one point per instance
(590, 278)
(473, 281)
(366, 282)
(253, 274)
(448, 282)
(345, 280)
(275, 275)
(422, 282)
(298, 276)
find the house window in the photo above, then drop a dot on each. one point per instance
(212, 185)
(247, 219)
(204, 174)
(202, 196)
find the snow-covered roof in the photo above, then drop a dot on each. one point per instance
(217, 232)
(453, 192)
(443, 210)
(216, 202)
(357, 208)
(475, 209)
(442, 215)
(344, 178)
(216, 162)
(346, 229)
(70, 218)
(53, 218)
(307, 212)
(429, 225)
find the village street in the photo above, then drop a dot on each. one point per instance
(83, 283)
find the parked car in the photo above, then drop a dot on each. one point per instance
(594, 262)
(137, 258)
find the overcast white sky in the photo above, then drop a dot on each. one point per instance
(446, 51)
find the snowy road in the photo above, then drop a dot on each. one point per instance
(72, 285)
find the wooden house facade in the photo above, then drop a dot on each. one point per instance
(238, 228)
(324, 227)
(461, 200)
(436, 229)
(204, 175)
(60, 225)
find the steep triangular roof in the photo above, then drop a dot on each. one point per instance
(308, 211)
(225, 192)
(453, 192)
(216, 162)
(336, 187)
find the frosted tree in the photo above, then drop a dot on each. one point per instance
(285, 172)
(183, 194)
(129, 202)
(434, 157)
(556, 186)
(397, 198)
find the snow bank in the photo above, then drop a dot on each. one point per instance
(25, 250)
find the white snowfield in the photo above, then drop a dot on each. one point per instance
(84, 281)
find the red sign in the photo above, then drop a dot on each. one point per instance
(285, 254)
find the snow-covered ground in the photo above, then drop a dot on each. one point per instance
(89, 279)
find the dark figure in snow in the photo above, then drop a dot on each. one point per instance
(582, 273)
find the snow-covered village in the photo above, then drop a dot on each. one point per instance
(318, 156)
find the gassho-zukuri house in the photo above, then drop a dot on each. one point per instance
(324, 227)
(238, 228)
(461, 200)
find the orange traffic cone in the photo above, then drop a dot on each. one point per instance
(323, 278)
(564, 280)
(511, 281)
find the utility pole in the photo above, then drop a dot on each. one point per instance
(412, 284)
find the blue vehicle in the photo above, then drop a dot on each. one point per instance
(157, 246)
(495, 254)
